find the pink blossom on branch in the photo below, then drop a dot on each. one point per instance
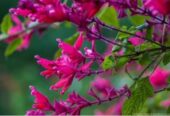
(69, 65)
(165, 103)
(159, 78)
(73, 105)
(18, 27)
(34, 112)
(136, 41)
(40, 102)
(115, 109)
(158, 6)
(42, 11)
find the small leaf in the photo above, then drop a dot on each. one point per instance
(121, 35)
(107, 63)
(6, 23)
(137, 19)
(13, 46)
(69, 40)
(166, 58)
(120, 62)
(140, 92)
(145, 59)
(109, 16)
(149, 33)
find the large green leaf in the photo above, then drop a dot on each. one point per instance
(6, 23)
(13, 46)
(109, 16)
(140, 92)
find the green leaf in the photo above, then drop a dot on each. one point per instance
(147, 45)
(137, 19)
(140, 92)
(149, 33)
(69, 40)
(145, 59)
(120, 62)
(166, 58)
(109, 16)
(6, 24)
(107, 63)
(13, 46)
(121, 35)
(116, 49)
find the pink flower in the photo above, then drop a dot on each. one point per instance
(40, 102)
(62, 67)
(159, 78)
(165, 103)
(72, 51)
(34, 112)
(44, 11)
(75, 98)
(83, 10)
(115, 109)
(122, 5)
(61, 108)
(43, 106)
(69, 65)
(103, 86)
(158, 6)
(13, 33)
(136, 41)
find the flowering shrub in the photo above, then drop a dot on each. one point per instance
(141, 50)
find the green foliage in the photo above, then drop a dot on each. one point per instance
(140, 92)
(109, 16)
(121, 35)
(149, 33)
(6, 24)
(137, 19)
(13, 46)
(69, 40)
(107, 63)
(148, 45)
(166, 58)
(120, 62)
(116, 49)
(145, 59)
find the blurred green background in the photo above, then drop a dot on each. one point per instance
(20, 70)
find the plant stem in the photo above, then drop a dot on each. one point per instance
(144, 51)
(23, 31)
(126, 32)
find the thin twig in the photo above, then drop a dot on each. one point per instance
(23, 31)
(126, 32)
(144, 51)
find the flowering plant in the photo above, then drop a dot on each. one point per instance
(140, 49)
